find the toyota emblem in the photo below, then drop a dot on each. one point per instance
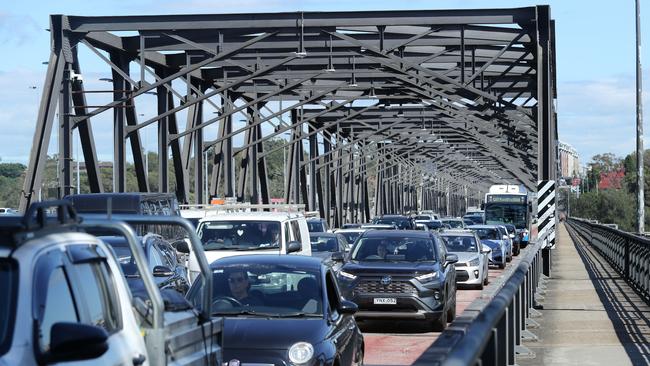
(386, 280)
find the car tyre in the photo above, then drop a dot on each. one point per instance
(502, 265)
(486, 281)
(359, 358)
(451, 312)
(441, 323)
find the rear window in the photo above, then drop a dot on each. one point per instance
(240, 235)
(315, 226)
(8, 288)
(488, 234)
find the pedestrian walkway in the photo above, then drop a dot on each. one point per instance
(591, 316)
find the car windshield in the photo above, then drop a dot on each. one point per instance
(351, 236)
(239, 235)
(394, 249)
(460, 243)
(8, 286)
(323, 243)
(263, 290)
(123, 254)
(315, 226)
(422, 217)
(488, 234)
(454, 224)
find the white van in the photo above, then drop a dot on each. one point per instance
(239, 233)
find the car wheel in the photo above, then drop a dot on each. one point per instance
(359, 358)
(441, 323)
(486, 281)
(451, 312)
(480, 286)
(502, 265)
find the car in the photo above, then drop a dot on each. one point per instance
(402, 222)
(454, 223)
(421, 226)
(472, 266)
(66, 301)
(351, 226)
(431, 224)
(317, 225)
(323, 245)
(167, 270)
(401, 275)
(508, 239)
(238, 233)
(492, 237)
(476, 218)
(516, 239)
(422, 217)
(294, 313)
(351, 235)
(431, 214)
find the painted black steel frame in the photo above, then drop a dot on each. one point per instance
(437, 105)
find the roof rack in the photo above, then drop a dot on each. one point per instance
(36, 215)
(245, 207)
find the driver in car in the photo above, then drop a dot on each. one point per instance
(240, 288)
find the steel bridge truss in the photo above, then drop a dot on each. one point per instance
(399, 110)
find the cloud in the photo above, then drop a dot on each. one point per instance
(599, 116)
(17, 29)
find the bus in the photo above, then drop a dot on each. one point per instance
(509, 204)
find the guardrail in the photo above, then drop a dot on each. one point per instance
(627, 253)
(490, 330)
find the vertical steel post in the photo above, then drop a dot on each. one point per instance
(65, 135)
(640, 204)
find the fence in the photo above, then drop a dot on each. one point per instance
(628, 253)
(491, 329)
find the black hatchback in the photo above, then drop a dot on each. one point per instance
(401, 275)
(282, 310)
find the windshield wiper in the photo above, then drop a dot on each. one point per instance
(259, 248)
(245, 312)
(299, 315)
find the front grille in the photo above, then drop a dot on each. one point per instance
(375, 287)
(462, 276)
(461, 264)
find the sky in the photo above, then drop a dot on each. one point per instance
(595, 61)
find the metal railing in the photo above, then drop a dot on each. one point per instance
(627, 253)
(491, 329)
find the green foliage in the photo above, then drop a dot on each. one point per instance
(609, 206)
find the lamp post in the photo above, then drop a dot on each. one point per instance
(639, 128)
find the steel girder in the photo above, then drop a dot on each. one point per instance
(418, 109)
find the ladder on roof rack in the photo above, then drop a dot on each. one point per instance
(245, 207)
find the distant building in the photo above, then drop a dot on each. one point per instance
(569, 160)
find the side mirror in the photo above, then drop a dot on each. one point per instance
(337, 257)
(181, 246)
(294, 246)
(451, 259)
(486, 250)
(482, 206)
(512, 236)
(347, 307)
(76, 341)
(162, 271)
(505, 237)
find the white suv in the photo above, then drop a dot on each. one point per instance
(228, 234)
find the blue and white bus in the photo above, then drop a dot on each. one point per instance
(509, 204)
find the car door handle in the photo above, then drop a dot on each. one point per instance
(139, 360)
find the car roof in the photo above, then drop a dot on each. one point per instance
(397, 233)
(302, 261)
(483, 226)
(351, 230)
(457, 233)
(315, 219)
(393, 216)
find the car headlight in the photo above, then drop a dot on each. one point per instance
(427, 277)
(301, 353)
(474, 262)
(347, 275)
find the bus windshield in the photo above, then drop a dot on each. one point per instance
(506, 213)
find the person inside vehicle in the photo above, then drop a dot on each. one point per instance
(381, 250)
(240, 288)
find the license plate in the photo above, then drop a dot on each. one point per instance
(385, 301)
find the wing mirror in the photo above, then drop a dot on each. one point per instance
(347, 307)
(485, 249)
(451, 259)
(505, 237)
(293, 247)
(338, 257)
(75, 342)
(181, 246)
(162, 271)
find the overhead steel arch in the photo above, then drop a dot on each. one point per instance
(400, 110)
